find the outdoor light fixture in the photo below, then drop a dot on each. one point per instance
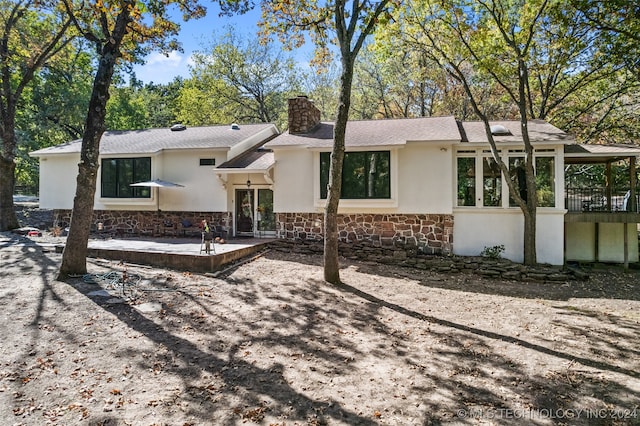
(248, 184)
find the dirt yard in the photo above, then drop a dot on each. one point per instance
(271, 343)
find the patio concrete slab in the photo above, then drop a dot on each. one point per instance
(176, 253)
(188, 246)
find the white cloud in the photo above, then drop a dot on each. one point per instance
(162, 69)
(174, 59)
(190, 61)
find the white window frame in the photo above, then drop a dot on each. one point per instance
(391, 202)
(505, 154)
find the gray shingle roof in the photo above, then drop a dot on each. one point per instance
(258, 160)
(153, 140)
(375, 133)
(594, 153)
(539, 131)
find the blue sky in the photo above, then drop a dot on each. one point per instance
(194, 35)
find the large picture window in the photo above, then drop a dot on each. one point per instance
(493, 191)
(364, 174)
(119, 173)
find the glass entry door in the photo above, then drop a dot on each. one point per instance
(244, 212)
(265, 217)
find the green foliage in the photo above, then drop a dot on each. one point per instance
(126, 109)
(197, 108)
(394, 83)
(32, 35)
(323, 88)
(616, 24)
(493, 252)
(238, 80)
(161, 103)
(582, 70)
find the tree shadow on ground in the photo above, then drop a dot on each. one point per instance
(253, 388)
(255, 347)
(28, 259)
(453, 367)
(569, 394)
(607, 282)
(489, 334)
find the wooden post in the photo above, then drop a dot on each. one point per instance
(596, 242)
(632, 184)
(626, 248)
(608, 186)
(633, 205)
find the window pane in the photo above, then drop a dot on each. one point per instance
(354, 171)
(117, 174)
(109, 178)
(325, 162)
(519, 178)
(466, 181)
(379, 185)
(364, 175)
(141, 173)
(142, 169)
(491, 183)
(125, 177)
(545, 181)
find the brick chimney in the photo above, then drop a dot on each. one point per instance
(303, 115)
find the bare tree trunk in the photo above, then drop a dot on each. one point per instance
(529, 211)
(364, 23)
(8, 218)
(331, 263)
(74, 258)
(75, 252)
(530, 207)
(529, 240)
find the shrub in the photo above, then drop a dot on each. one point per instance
(494, 252)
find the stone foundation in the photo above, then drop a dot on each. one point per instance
(450, 264)
(427, 233)
(126, 222)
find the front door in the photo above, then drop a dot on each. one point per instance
(244, 212)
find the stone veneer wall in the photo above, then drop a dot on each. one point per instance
(410, 257)
(148, 222)
(429, 233)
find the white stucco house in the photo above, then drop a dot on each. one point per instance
(182, 155)
(430, 183)
(421, 184)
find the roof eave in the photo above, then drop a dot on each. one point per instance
(376, 147)
(241, 170)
